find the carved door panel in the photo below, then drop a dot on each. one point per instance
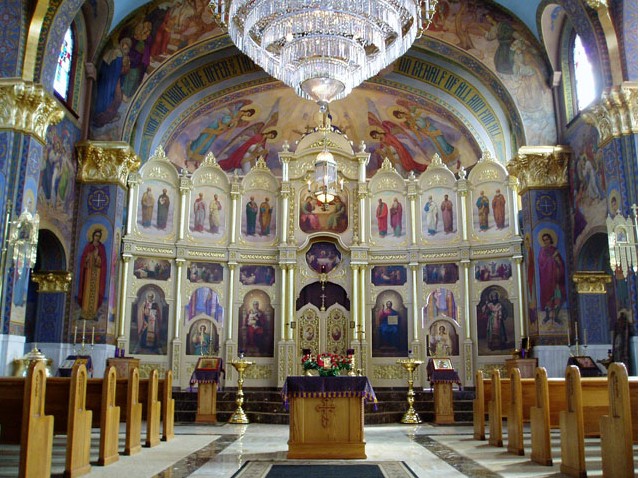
(323, 331)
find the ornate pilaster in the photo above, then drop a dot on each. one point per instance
(122, 303)
(541, 167)
(107, 162)
(591, 282)
(415, 300)
(185, 187)
(412, 194)
(232, 281)
(28, 108)
(235, 199)
(616, 114)
(355, 301)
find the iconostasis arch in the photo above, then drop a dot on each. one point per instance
(388, 211)
(257, 213)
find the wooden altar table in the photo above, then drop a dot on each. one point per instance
(326, 416)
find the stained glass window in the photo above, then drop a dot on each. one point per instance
(62, 79)
(585, 84)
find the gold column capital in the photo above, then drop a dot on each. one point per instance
(52, 282)
(591, 282)
(597, 4)
(27, 107)
(617, 112)
(541, 167)
(106, 162)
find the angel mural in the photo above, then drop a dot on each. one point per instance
(223, 123)
(250, 143)
(389, 135)
(427, 132)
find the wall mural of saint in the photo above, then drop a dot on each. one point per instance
(149, 324)
(388, 275)
(150, 268)
(440, 273)
(490, 210)
(257, 275)
(495, 322)
(388, 217)
(93, 273)
(552, 280)
(441, 303)
(389, 326)
(203, 338)
(442, 339)
(156, 208)
(208, 213)
(259, 217)
(499, 269)
(209, 272)
(439, 214)
(255, 325)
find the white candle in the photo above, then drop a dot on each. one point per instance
(568, 337)
(75, 333)
(576, 324)
(93, 332)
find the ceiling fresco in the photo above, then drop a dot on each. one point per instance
(476, 81)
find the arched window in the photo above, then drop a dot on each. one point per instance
(583, 79)
(63, 81)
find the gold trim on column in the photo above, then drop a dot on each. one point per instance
(106, 162)
(28, 108)
(541, 167)
(591, 282)
(52, 282)
(616, 114)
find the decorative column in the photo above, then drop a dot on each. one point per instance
(412, 194)
(469, 368)
(103, 171)
(362, 194)
(230, 299)
(235, 198)
(616, 119)
(415, 299)
(283, 302)
(524, 331)
(355, 301)
(542, 173)
(26, 112)
(122, 303)
(463, 192)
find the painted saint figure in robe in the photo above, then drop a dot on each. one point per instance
(163, 209)
(252, 214)
(337, 215)
(553, 293)
(483, 211)
(214, 214)
(147, 203)
(396, 217)
(388, 325)
(496, 316)
(498, 205)
(199, 213)
(382, 214)
(93, 277)
(431, 210)
(447, 214)
(265, 217)
(309, 222)
(149, 325)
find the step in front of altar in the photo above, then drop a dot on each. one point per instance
(264, 405)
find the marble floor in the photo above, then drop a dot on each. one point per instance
(430, 451)
(218, 451)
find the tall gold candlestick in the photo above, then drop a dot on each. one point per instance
(239, 416)
(410, 364)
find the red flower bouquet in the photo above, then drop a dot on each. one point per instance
(327, 364)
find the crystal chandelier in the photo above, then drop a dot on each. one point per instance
(323, 49)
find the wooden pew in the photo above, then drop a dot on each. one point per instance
(615, 428)
(66, 401)
(572, 427)
(36, 436)
(479, 408)
(541, 421)
(165, 390)
(495, 410)
(133, 413)
(109, 420)
(515, 427)
(148, 395)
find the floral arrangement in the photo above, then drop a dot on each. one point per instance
(327, 365)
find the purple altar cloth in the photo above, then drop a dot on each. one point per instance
(328, 387)
(442, 376)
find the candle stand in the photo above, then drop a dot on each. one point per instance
(239, 416)
(410, 364)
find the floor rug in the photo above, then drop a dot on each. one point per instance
(315, 469)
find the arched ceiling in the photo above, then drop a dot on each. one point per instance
(524, 10)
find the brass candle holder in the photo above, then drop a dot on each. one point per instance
(410, 364)
(239, 416)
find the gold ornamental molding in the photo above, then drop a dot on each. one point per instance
(106, 162)
(616, 114)
(591, 282)
(52, 282)
(541, 167)
(28, 108)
